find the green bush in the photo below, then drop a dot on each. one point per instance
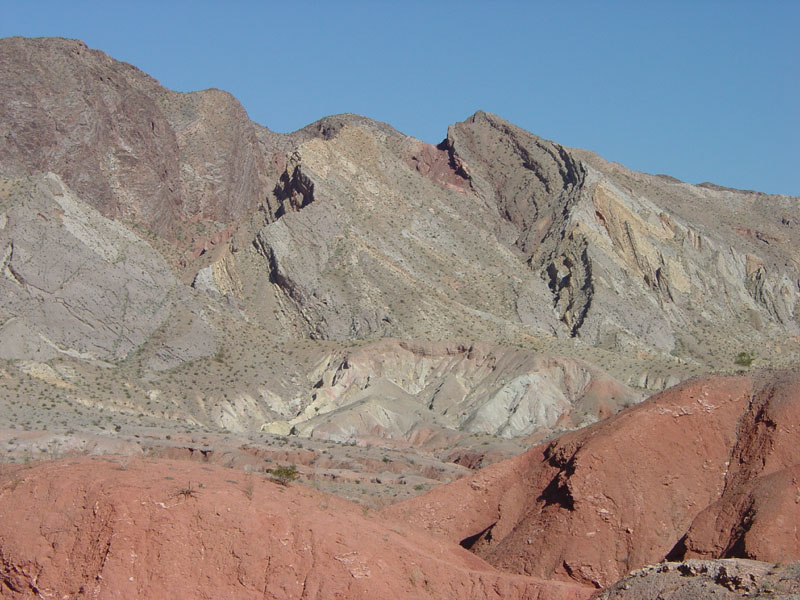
(744, 359)
(284, 475)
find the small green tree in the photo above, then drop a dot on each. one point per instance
(284, 475)
(744, 359)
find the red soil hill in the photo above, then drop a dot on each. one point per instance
(599, 502)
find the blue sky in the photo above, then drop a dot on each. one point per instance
(703, 91)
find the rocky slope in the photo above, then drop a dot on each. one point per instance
(101, 528)
(707, 468)
(566, 246)
(631, 261)
(348, 229)
(127, 146)
(75, 283)
(398, 390)
(726, 579)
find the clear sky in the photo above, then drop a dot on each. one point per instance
(703, 91)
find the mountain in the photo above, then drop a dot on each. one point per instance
(132, 149)
(363, 232)
(523, 239)
(389, 316)
(153, 238)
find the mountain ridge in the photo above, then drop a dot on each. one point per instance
(348, 231)
(386, 320)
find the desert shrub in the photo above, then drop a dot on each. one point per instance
(284, 475)
(744, 359)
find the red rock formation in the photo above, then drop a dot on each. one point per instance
(757, 515)
(435, 163)
(132, 528)
(599, 502)
(709, 468)
(755, 520)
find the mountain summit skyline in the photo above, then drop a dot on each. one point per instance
(703, 92)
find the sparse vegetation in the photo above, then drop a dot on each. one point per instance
(284, 474)
(249, 487)
(744, 359)
(187, 492)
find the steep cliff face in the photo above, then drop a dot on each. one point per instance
(377, 235)
(631, 258)
(532, 182)
(93, 121)
(225, 171)
(132, 149)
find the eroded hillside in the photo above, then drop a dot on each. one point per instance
(168, 262)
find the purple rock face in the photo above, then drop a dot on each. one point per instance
(93, 121)
(134, 150)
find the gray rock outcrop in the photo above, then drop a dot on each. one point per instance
(74, 283)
